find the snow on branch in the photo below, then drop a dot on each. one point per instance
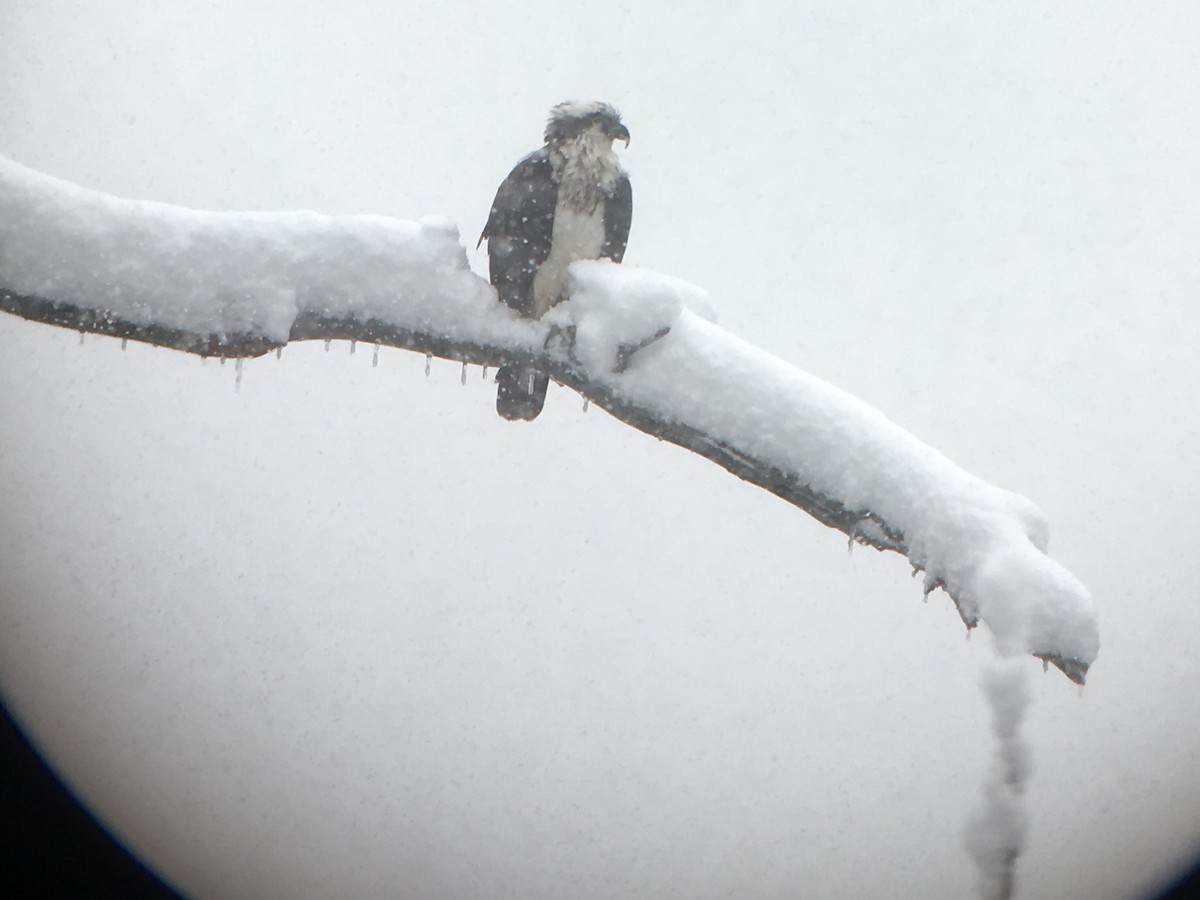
(633, 342)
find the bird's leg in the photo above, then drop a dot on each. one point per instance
(565, 334)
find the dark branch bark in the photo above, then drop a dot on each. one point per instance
(859, 525)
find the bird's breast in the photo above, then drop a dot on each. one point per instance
(577, 234)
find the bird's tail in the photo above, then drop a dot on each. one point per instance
(521, 392)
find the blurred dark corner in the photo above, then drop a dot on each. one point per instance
(49, 846)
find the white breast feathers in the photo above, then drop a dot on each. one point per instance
(577, 235)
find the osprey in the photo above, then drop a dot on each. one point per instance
(567, 201)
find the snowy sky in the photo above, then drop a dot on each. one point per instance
(344, 629)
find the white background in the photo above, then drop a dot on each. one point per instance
(345, 633)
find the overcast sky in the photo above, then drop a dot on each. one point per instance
(345, 632)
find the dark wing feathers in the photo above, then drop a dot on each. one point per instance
(618, 214)
(520, 227)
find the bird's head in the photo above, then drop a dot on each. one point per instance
(570, 120)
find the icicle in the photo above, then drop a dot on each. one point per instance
(585, 404)
(279, 353)
(237, 366)
(854, 537)
(463, 379)
(428, 361)
(375, 358)
(124, 341)
(328, 341)
(353, 346)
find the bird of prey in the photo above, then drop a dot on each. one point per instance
(568, 200)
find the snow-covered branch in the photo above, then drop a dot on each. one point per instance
(633, 342)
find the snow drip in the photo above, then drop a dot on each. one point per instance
(995, 835)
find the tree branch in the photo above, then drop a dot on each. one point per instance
(861, 526)
(503, 341)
